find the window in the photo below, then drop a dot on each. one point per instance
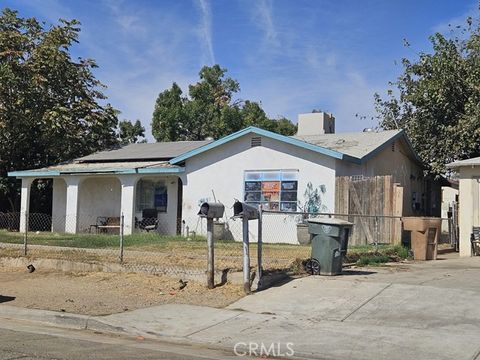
(275, 190)
(151, 194)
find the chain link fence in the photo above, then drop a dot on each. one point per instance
(156, 246)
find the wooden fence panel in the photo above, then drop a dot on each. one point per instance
(371, 196)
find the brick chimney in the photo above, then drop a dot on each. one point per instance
(315, 123)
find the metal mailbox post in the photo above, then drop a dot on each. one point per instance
(211, 211)
(247, 212)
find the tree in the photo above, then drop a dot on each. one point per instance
(50, 107)
(209, 111)
(438, 100)
(169, 115)
(130, 133)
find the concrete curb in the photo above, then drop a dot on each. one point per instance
(95, 323)
(59, 319)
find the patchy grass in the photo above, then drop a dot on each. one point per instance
(170, 251)
(373, 260)
(94, 241)
(368, 255)
(151, 249)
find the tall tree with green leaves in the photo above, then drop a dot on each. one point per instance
(51, 106)
(437, 99)
(130, 133)
(209, 110)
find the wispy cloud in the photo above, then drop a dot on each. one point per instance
(263, 13)
(205, 30)
(141, 53)
(128, 21)
(456, 21)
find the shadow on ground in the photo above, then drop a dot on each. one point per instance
(6, 298)
(357, 272)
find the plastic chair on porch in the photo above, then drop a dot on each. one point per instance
(475, 240)
(149, 220)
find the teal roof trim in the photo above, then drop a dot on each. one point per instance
(268, 134)
(30, 173)
(51, 173)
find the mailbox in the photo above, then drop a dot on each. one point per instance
(211, 210)
(245, 211)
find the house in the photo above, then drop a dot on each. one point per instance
(468, 172)
(255, 165)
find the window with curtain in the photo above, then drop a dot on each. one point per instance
(151, 194)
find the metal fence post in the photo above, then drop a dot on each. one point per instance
(210, 255)
(259, 245)
(25, 234)
(246, 257)
(121, 238)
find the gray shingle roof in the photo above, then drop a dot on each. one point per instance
(74, 167)
(357, 144)
(146, 151)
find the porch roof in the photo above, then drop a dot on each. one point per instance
(80, 168)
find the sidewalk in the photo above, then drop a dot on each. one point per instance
(426, 311)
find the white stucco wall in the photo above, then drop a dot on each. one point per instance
(98, 196)
(222, 170)
(167, 221)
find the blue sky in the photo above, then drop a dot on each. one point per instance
(292, 56)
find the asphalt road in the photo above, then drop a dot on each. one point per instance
(20, 340)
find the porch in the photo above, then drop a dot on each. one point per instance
(95, 199)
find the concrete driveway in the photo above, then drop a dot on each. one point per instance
(422, 310)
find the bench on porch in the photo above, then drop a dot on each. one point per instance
(475, 240)
(106, 225)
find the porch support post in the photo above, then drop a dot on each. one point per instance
(128, 202)
(71, 209)
(25, 202)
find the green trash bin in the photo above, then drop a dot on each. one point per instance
(329, 245)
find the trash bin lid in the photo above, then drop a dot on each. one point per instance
(330, 221)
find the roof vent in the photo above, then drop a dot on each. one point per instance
(368, 130)
(256, 141)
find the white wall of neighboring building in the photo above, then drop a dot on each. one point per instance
(221, 171)
(469, 205)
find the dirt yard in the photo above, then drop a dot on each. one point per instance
(104, 293)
